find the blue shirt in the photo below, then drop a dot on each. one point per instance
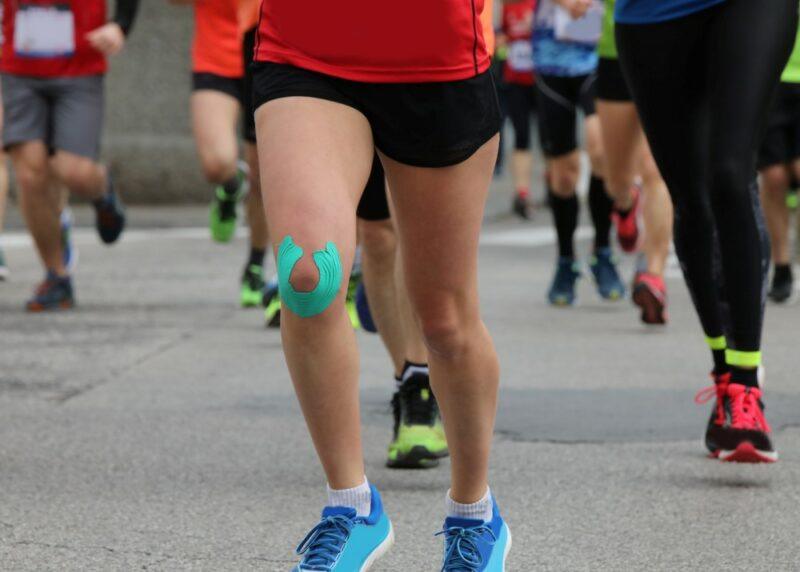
(651, 11)
(556, 57)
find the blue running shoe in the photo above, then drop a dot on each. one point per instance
(364, 313)
(562, 290)
(474, 545)
(609, 284)
(69, 250)
(343, 542)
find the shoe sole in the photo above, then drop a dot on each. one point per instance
(747, 453)
(653, 310)
(381, 551)
(39, 308)
(417, 458)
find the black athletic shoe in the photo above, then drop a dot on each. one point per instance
(110, 216)
(55, 293)
(782, 285)
(521, 206)
(419, 439)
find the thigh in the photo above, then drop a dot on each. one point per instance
(744, 71)
(215, 115)
(315, 157)
(439, 214)
(77, 116)
(26, 111)
(558, 110)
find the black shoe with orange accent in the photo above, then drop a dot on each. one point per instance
(738, 431)
(55, 293)
(627, 223)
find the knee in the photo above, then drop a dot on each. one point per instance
(775, 179)
(31, 178)
(378, 240)
(218, 167)
(308, 284)
(78, 175)
(444, 328)
(564, 180)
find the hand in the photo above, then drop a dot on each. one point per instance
(577, 8)
(108, 39)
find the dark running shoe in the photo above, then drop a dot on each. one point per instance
(782, 288)
(562, 289)
(606, 277)
(251, 293)
(419, 439)
(522, 207)
(55, 293)
(110, 215)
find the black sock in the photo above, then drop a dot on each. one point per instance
(256, 257)
(565, 217)
(720, 364)
(600, 205)
(232, 185)
(746, 377)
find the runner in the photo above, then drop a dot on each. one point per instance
(702, 82)
(222, 93)
(518, 78)
(418, 440)
(565, 79)
(53, 63)
(779, 165)
(627, 156)
(326, 96)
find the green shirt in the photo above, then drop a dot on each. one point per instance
(607, 46)
(792, 72)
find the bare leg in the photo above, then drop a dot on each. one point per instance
(259, 233)
(774, 184)
(622, 139)
(415, 350)
(522, 168)
(81, 176)
(214, 118)
(315, 159)
(40, 210)
(657, 215)
(439, 214)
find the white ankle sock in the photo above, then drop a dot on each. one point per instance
(481, 510)
(359, 498)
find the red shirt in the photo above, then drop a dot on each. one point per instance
(219, 28)
(518, 28)
(53, 41)
(387, 41)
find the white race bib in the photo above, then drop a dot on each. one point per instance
(44, 31)
(585, 30)
(520, 56)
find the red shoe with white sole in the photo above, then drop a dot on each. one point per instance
(739, 432)
(650, 294)
(716, 423)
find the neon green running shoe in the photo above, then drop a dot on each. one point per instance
(792, 201)
(272, 305)
(222, 215)
(252, 286)
(419, 440)
(350, 299)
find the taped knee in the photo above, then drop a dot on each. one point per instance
(316, 301)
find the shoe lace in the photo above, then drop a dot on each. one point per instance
(461, 551)
(323, 544)
(718, 389)
(746, 408)
(418, 402)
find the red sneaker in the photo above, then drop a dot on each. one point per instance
(628, 225)
(738, 429)
(650, 294)
(716, 422)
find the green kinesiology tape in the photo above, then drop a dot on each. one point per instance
(309, 304)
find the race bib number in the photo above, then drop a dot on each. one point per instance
(520, 56)
(585, 30)
(44, 31)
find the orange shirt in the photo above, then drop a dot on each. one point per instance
(487, 19)
(219, 28)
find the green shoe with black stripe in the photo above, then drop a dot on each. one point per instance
(419, 440)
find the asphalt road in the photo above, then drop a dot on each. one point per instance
(154, 428)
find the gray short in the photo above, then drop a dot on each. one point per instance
(66, 113)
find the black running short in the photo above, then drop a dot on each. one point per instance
(611, 84)
(374, 203)
(435, 124)
(559, 100)
(239, 88)
(781, 142)
(521, 107)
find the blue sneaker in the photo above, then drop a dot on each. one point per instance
(609, 284)
(69, 250)
(562, 290)
(364, 312)
(474, 545)
(343, 542)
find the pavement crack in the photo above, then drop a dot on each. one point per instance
(118, 372)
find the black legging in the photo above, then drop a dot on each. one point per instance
(702, 85)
